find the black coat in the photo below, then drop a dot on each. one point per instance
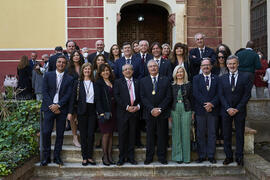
(165, 68)
(161, 99)
(186, 90)
(122, 97)
(103, 97)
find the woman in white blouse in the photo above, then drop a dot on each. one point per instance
(84, 98)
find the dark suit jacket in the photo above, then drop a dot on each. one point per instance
(92, 56)
(122, 97)
(161, 99)
(103, 104)
(52, 61)
(186, 90)
(31, 64)
(165, 68)
(146, 59)
(81, 103)
(201, 95)
(49, 90)
(137, 67)
(234, 99)
(196, 62)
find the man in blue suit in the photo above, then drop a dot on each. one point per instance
(129, 59)
(156, 97)
(52, 61)
(164, 65)
(57, 89)
(197, 54)
(205, 92)
(33, 60)
(234, 93)
(143, 54)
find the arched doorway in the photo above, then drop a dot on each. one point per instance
(144, 21)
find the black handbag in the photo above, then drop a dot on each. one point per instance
(104, 117)
(194, 143)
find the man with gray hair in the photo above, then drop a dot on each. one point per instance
(234, 93)
(197, 54)
(143, 54)
(100, 50)
(126, 93)
(156, 96)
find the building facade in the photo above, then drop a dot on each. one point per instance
(38, 25)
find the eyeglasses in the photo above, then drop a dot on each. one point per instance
(220, 57)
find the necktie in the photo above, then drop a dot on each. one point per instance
(143, 58)
(130, 89)
(157, 61)
(128, 61)
(233, 82)
(201, 53)
(154, 85)
(207, 82)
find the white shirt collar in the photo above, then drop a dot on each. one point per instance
(201, 48)
(209, 75)
(157, 58)
(235, 73)
(154, 76)
(100, 53)
(143, 54)
(129, 79)
(128, 58)
(58, 73)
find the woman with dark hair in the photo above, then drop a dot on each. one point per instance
(83, 98)
(99, 59)
(179, 56)
(135, 47)
(75, 64)
(105, 106)
(24, 74)
(224, 47)
(115, 53)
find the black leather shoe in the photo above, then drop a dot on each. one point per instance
(120, 163)
(179, 162)
(212, 160)
(240, 162)
(58, 161)
(85, 163)
(106, 163)
(200, 160)
(227, 161)
(45, 162)
(147, 161)
(111, 161)
(163, 162)
(132, 161)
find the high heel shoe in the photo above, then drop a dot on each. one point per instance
(111, 161)
(85, 163)
(91, 161)
(104, 162)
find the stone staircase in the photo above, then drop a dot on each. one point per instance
(71, 156)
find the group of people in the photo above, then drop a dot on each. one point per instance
(137, 88)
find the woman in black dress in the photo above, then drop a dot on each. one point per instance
(105, 104)
(24, 73)
(84, 99)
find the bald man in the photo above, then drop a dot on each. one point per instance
(99, 50)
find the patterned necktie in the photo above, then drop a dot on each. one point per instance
(233, 82)
(207, 82)
(155, 84)
(201, 53)
(157, 61)
(143, 58)
(130, 89)
(128, 61)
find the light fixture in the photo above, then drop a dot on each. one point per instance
(140, 18)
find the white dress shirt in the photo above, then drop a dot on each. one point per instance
(235, 77)
(59, 78)
(89, 90)
(159, 59)
(133, 90)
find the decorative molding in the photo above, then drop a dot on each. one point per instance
(111, 1)
(180, 1)
(171, 19)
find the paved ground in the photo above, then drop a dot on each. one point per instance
(153, 178)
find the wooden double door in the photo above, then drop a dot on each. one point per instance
(154, 27)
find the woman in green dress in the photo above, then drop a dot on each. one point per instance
(181, 115)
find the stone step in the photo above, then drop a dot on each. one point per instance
(73, 154)
(127, 170)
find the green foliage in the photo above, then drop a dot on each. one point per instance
(18, 140)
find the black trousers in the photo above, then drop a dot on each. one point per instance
(239, 122)
(48, 123)
(87, 125)
(157, 127)
(126, 135)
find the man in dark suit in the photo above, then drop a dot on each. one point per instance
(33, 60)
(164, 65)
(234, 93)
(126, 93)
(128, 59)
(197, 54)
(156, 97)
(143, 54)
(70, 47)
(52, 60)
(205, 92)
(100, 50)
(57, 89)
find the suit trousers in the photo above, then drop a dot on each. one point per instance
(156, 127)
(126, 135)
(206, 135)
(87, 125)
(239, 122)
(48, 123)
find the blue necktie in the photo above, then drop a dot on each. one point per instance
(128, 61)
(233, 82)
